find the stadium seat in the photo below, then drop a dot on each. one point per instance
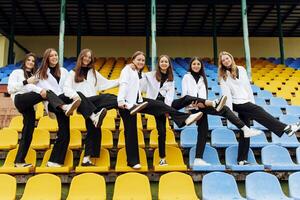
(188, 137)
(139, 122)
(275, 111)
(48, 124)
(112, 113)
(174, 159)
(68, 164)
(40, 139)
(296, 101)
(8, 139)
(109, 123)
(214, 122)
(231, 160)
(9, 163)
(264, 94)
(211, 156)
(121, 164)
(16, 123)
(258, 141)
(176, 185)
(141, 141)
(285, 140)
(258, 126)
(293, 110)
(107, 138)
(8, 187)
(77, 122)
(277, 101)
(102, 164)
(289, 119)
(261, 185)
(231, 126)
(75, 139)
(277, 158)
(170, 138)
(219, 185)
(223, 137)
(87, 186)
(39, 111)
(151, 123)
(42, 186)
(294, 190)
(133, 186)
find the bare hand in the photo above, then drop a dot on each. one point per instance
(194, 104)
(32, 80)
(122, 105)
(201, 105)
(43, 93)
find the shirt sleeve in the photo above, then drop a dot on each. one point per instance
(123, 87)
(226, 91)
(104, 84)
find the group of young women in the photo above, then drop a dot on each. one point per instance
(62, 92)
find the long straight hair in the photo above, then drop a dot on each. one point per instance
(23, 66)
(79, 77)
(42, 72)
(201, 72)
(169, 70)
(222, 69)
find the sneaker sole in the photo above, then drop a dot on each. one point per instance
(139, 108)
(222, 103)
(75, 105)
(101, 117)
(196, 119)
(249, 136)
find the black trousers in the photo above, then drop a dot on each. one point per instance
(24, 103)
(63, 134)
(131, 139)
(91, 105)
(249, 111)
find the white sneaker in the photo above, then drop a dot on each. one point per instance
(292, 129)
(200, 162)
(193, 118)
(99, 116)
(53, 164)
(137, 166)
(244, 162)
(250, 132)
(219, 103)
(138, 107)
(163, 162)
(72, 106)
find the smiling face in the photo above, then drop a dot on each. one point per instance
(196, 66)
(53, 59)
(164, 64)
(29, 63)
(226, 61)
(86, 59)
(139, 61)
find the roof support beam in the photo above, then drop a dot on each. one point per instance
(43, 16)
(224, 17)
(239, 26)
(261, 21)
(185, 18)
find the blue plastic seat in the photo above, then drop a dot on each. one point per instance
(264, 94)
(294, 186)
(231, 160)
(293, 110)
(214, 122)
(263, 186)
(219, 185)
(275, 111)
(278, 101)
(289, 119)
(277, 158)
(211, 156)
(260, 101)
(259, 141)
(258, 126)
(231, 126)
(188, 137)
(285, 140)
(298, 155)
(255, 89)
(223, 137)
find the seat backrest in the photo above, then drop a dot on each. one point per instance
(231, 155)
(210, 155)
(11, 156)
(274, 154)
(8, 186)
(294, 190)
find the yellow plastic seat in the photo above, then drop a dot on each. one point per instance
(138, 120)
(121, 164)
(174, 159)
(66, 168)
(75, 139)
(295, 78)
(102, 163)
(87, 186)
(16, 123)
(39, 111)
(42, 186)
(8, 187)
(288, 88)
(176, 185)
(47, 123)
(141, 141)
(40, 139)
(109, 123)
(107, 138)
(8, 138)
(9, 163)
(293, 84)
(132, 186)
(112, 113)
(295, 101)
(276, 84)
(284, 94)
(170, 138)
(77, 122)
(151, 123)
(271, 88)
